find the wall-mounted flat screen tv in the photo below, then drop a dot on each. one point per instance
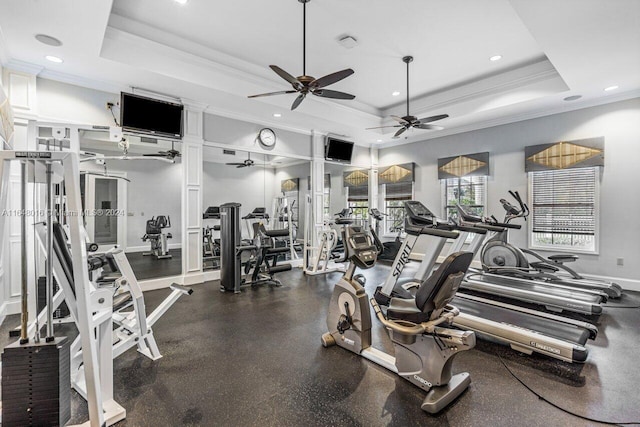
(151, 116)
(338, 150)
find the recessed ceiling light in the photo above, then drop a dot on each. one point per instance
(48, 40)
(396, 93)
(610, 88)
(181, 1)
(277, 115)
(379, 140)
(495, 58)
(54, 59)
(573, 98)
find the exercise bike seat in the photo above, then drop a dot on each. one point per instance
(434, 293)
(562, 258)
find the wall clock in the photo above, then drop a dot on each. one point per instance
(267, 137)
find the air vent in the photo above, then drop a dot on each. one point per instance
(148, 140)
(229, 152)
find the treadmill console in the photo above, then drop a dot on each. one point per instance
(362, 252)
(419, 213)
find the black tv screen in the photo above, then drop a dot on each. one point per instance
(338, 150)
(147, 115)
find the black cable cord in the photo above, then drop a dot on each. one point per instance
(620, 306)
(566, 411)
(110, 106)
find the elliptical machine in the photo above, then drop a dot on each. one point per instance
(424, 350)
(156, 236)
(500, 257)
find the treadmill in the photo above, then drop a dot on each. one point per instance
(556, 297)
(557, 276)
(525, 330)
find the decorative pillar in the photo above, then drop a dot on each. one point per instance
(20, 87)
(317, 184)
(373, 179)
(192, 145)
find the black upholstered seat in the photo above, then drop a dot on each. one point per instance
(434, 293)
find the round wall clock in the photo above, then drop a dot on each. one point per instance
(267, 137)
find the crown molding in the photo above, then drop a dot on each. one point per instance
(221, 112)
(179, 49)
(514, 118)
(23, 67)
(515, 79)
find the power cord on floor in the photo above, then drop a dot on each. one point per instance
(620, 306)
(539, 396)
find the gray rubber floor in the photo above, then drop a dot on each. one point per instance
(255, 359)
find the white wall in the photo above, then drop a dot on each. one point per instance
(74, 104)
(155, 189)
(618, 122)
(223, 130)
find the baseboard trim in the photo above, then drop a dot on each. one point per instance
(10, 307)
(146, 248)
(211, 275)
(626, 284)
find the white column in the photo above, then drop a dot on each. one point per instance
(192, 144)
(317, 184)
(20, 87)
(373, 178)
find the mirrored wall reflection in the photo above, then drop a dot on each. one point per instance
(270, 189)
(131, 195)
(346, 192)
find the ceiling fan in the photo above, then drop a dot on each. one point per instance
(410, 121)
(244, 164)
(305, 84)
(169, 154)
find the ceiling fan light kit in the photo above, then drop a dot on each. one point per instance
(304, 84)
(409, 121)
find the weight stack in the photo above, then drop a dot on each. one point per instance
(62, 311)
(36, 384)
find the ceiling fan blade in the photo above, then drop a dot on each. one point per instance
(288, 77)
(399, 120)
(427, 126)
(325, 93)
(332, 78)
(433, 118)
(298, 100)
(400, 132)
(156, 155)
(382, 127)
(282, 92)
(234, 164)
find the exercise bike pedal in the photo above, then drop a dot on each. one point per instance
(327, 340)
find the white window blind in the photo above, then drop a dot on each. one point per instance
(563, 207)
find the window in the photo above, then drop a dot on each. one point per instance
(469, 191)
(358, 200)
(394, 197)
(564, 209)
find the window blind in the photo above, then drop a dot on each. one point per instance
(358, 193)
(564, 201)
(399, 191)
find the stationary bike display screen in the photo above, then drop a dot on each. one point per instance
(360, 240)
